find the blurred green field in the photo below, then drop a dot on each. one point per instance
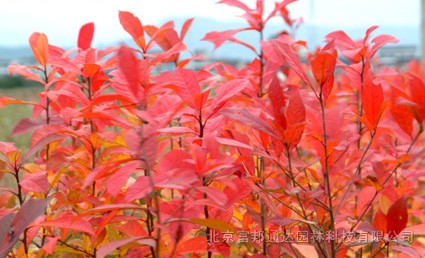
(11, 114)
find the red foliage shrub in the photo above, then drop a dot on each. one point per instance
(282, 157)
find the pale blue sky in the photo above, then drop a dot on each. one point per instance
(61, 19)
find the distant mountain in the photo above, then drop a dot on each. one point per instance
(11, 53)
(314, 35)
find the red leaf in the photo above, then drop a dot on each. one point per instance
(111, 207)
(409, 251)
(159, 36)
(56, 52)
(8, 101)
(26, 125)
(221, 248)
(132, 228)
(175, 170)
(34, 228)
(175, 180)
(277, 99)
(144, 148)
(99, 115)
(6, 218)
(416, 229)
(129, 66)
(109, 247)
(281, 53)
(69, 221)
(225, 92)
(148, 151)
(196, 244)
(134, 27)
(252, 16)
(50, 245)
(175, 159)
(380, 221)
(115, 183)
(245, 117)
(404, 118)
(323, 67)
(7, 147)
(341, 39)
(234, 143)
(273, 250)
(243, 43)
(200, 99)
(71, 90)
(368, 33)
(417, 91)
(397, 217)
(184, 82)
(380, 41)
(177, 130)
(139, 189)
(218, 38)
(372, 99)
(166, 37)
(24, 72)
(89, 70)
(35, 183)
(295, 118)
(63, 63)
(40, 139)
(308, 251)
(236, 3)
(40, 47)
(281, 7)
(215, 197)
(27, 214)
(98, 80)
(106, 99)
(185, 28)
(364, 197)
(170, 55)
(85, 36)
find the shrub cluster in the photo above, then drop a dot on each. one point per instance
(280, 158)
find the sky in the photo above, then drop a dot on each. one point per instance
(60, 20)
